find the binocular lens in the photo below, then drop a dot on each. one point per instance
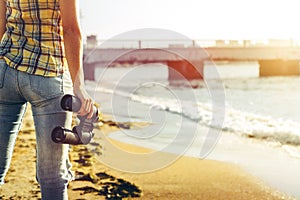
(65, 136)
(58, 135)
(70, 103)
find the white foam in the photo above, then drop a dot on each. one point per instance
(286, 132)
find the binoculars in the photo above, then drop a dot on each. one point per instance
(80, 134)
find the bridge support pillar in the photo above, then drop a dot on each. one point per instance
(89, 71)
(279, 67)
(182, 69)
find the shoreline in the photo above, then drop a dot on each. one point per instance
(186, 178)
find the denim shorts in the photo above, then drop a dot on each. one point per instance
(17, 89)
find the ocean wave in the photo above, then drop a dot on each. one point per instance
(281, 132)
(286, 132)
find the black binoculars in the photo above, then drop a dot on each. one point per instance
(81, 134)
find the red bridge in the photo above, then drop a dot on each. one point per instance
(189, 61)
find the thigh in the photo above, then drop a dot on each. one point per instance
(11, 116)
(53, 166)
(52, 159)
(10, 123)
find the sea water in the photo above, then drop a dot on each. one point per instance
(266, 108)
(261, 113)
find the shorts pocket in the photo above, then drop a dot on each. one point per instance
(3, 68)
(46, 87)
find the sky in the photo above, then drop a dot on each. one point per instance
(196, 19)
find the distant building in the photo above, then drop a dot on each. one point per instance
(278, 42)
(91, 41)
(221, 43)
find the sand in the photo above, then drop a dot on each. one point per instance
(187, 178)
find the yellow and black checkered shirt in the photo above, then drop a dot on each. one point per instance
(33, 40)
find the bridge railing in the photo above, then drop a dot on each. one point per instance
(175, 43)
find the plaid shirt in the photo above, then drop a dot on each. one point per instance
(33, 40)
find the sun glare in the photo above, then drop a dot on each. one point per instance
(215, 19)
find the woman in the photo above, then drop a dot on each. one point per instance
(40, 61)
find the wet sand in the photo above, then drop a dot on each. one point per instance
(187, 178)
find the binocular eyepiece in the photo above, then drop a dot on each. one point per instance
(81, 134)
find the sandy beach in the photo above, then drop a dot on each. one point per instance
(187, 178)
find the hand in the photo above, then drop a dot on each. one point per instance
(86, 103)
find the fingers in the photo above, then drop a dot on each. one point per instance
(86, 108)
(87, 103)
